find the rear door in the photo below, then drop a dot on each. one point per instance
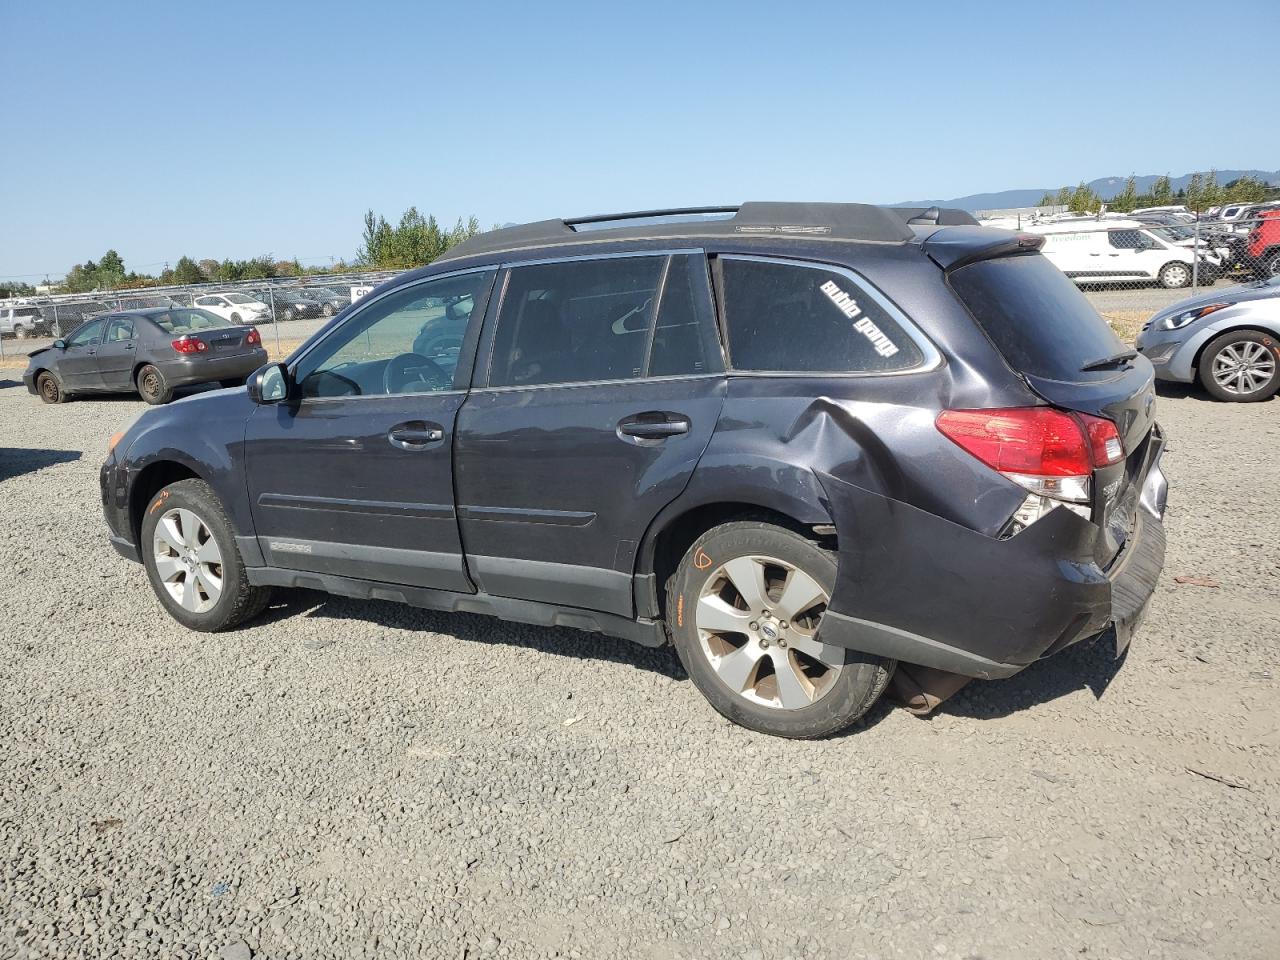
(78, 363)
(599, 388)
(118, 353)
(352, 475)
(1053, 338)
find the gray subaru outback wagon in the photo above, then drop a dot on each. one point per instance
(803, 443)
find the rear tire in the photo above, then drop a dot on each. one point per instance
(1174, 275)
(287, 313)
(327, 310)
(50, 388)
(153, 387)
(1241, 366)
(197, 544)
(744, 609)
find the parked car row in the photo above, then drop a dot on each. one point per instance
(267, 304)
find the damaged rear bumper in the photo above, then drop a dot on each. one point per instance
(921, 590)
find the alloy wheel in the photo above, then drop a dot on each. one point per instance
(188, 560)
(1243, 368)
(757, 620)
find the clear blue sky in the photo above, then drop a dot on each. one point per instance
(231, 129)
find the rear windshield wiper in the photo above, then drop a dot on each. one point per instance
(1115, 360)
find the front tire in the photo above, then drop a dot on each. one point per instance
(20, 332)
(50, 388)
(327, 310)
(1174, 275)
(153, 387)
(744, 609)
(235, 318)
(1241, 366)
(195, 569)
(287, 314)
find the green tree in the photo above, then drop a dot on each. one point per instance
(1084, 199)
(1245, 189)
(1161, 192)
(1063, 198)
(187, 271)
(1127, 199)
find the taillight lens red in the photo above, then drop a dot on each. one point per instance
(189, 344)
(1034, 441)
(1104, 440)
(254, 338)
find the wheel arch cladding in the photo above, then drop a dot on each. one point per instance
(150, 480)
(674, 531)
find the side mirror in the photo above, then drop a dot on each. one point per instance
(269, 384)
(60, 344)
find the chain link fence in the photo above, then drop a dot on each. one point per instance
(293, 307)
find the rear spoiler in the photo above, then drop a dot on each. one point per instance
(956, 247)
(935, 216)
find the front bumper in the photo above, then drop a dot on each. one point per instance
(205, 369)
(922, 590)
(29, 378)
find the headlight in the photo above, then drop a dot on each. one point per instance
(1180, 320)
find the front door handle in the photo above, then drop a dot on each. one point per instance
(415, 435)
(653, 425)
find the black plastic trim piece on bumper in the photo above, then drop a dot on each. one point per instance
(885, 641)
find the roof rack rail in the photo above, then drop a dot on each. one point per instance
(649, 214)
(833, 221)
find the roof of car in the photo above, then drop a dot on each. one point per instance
(829, 221)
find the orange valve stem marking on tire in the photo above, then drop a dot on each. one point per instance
(701, 561)
(164, 495)
(680, 611)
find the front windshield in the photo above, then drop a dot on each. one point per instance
(188, 321)
(239, 298)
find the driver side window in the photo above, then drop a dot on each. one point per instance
(86, 334)
(406, 342)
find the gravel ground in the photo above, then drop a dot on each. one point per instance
(356, 779)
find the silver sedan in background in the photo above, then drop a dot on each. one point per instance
(1228, 340)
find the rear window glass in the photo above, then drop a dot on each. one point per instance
(790, 317)
(1036, 317)
(188, 321)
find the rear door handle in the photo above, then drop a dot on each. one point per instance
(415, 435)
(653, 425)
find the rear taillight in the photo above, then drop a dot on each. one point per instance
(189, 344)
(254, 338)
(1049, 452)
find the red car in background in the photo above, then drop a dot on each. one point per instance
(1264, 244)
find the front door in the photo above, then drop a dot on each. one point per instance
(352, 475)
(604, 386)
(117, 355)
(78, 364)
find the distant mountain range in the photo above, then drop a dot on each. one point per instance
(1106, 187)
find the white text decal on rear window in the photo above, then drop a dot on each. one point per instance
(849, 307)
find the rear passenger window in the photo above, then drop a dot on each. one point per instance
(791, 317)
(576, 320)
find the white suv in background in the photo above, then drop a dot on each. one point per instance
(236, 307)
(1116, 251)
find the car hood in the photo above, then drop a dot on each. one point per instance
(1236, 294)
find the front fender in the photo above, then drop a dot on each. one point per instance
(205, 435)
